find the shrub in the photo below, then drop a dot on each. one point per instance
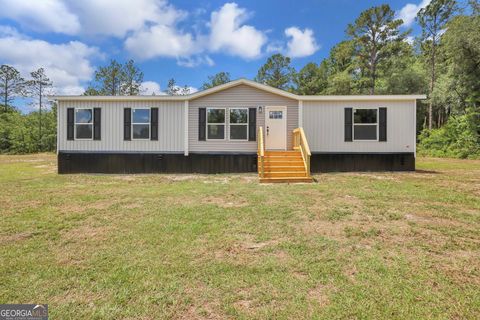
(459, 138)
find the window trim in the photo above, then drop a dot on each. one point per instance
(217, 123)
(377, 124)
(141, 123)
(75, 124)
(238, 124)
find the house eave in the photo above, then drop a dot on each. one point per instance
(364, 98)
(118, 98)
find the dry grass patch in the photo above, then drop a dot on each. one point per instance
(320, 294)
(7, 238)
(226, 201)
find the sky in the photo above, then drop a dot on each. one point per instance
(185, 40)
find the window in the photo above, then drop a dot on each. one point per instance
(239, 124)
(215, 124)
(83, 124)
(365, 124)
(275, 114)
(140, 124)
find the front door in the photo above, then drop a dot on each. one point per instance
(276, 128)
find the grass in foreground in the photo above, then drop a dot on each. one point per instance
(369, 245)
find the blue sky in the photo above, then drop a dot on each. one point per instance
(185, 40)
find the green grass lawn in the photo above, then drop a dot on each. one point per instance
(353, 245)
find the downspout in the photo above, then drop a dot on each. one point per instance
(300, 113)
(415, 129)
(185, 131)
(57, 103)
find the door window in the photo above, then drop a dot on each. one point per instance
(275, 114)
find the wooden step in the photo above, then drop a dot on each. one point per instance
(274, 155)
(275, 168)
(283, 153)
(285, 174)
(284, 166)
(286, 180)
(282, 158)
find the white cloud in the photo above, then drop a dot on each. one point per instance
(160, 41)
(195, 61)
(149, 88)
(275, 46)
(90, 17)
(43, 16)
(229, 35)
(301, 43)
(117, 17)
(7, 31)
(69, 90)
(67, 64)
(409, 12)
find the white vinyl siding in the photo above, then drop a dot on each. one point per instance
(324, 125)
(170, 127)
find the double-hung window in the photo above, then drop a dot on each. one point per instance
(83, 124)
(215, 124)
(239, 124)
(365, 124)
(141, 123)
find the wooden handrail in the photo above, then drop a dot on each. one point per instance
(300, 143)
(261, 153)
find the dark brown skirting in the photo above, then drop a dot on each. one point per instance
(83, 162)
(348, 162)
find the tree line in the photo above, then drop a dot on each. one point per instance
(36, 131)
(376, 57)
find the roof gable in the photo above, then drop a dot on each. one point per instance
(242, 95)
(245, 82)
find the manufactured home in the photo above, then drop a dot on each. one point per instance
(240, 126)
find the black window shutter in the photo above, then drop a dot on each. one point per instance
(382, 129)
(154, 123)
(97, 120)
(252, 124)
(202, 123)
(70, 123)
(348, 124)
(127, 123)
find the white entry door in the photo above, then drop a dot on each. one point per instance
(276, 128)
